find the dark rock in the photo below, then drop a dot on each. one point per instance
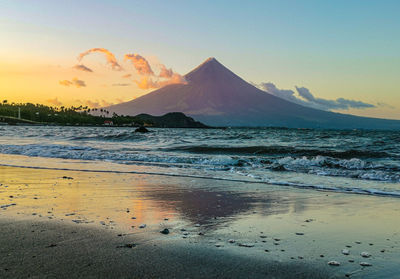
(141, 129)
(165, 231)
(129, 245)
(67, 177)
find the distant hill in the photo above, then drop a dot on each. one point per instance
(171, 120)
(216, 96)
(37, 114)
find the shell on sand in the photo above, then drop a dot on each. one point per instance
(365, 264)
(142, 226)
(334, 263)
(231, 241)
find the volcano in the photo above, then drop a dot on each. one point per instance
(216, 96)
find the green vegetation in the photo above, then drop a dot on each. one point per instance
(42, 114)
(28, 113)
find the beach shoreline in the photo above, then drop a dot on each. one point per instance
(60, 223)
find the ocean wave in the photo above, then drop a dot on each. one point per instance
(346, 190)
(317, 165)
(280, 151)
(123, 136)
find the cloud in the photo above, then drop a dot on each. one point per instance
(146, 83)
(149, 83)
(78, 83)
(74, 82)
(55, 102)
(281, 93)
(140, 63)
(339, 103)
(96, 103)
(82, 67)
(105, 103)
(148, 79)
(121, 84)
(174, 79)
(65, 82)
(109, 56)
(306, 98)
(145, 76)
(385, 105)
(92, 104)
(165, 73)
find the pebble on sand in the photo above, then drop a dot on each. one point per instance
(299, 233)
(334, 263)
(165, 231)
(142, 226)
(249, 245)
(365, 264)
(219, 244)
(231, 241)
(345, 252)
(365, 254)
(128, 245)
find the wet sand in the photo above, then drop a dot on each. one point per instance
(74, 224)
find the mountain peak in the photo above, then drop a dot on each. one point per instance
(210, 59)
(209, 69)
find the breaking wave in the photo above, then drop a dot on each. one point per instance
(370, 158)
(281, 150)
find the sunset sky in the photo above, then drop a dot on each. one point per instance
(335, 49)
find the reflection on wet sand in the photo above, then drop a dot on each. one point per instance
(248, 219)
(212, 208)
(129, 200)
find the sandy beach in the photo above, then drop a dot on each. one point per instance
(59, 223)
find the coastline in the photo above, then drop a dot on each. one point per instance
(296, 227)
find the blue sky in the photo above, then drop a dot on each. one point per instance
(336, 49)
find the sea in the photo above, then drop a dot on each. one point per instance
(364, 162)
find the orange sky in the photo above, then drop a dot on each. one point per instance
(347, 51)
